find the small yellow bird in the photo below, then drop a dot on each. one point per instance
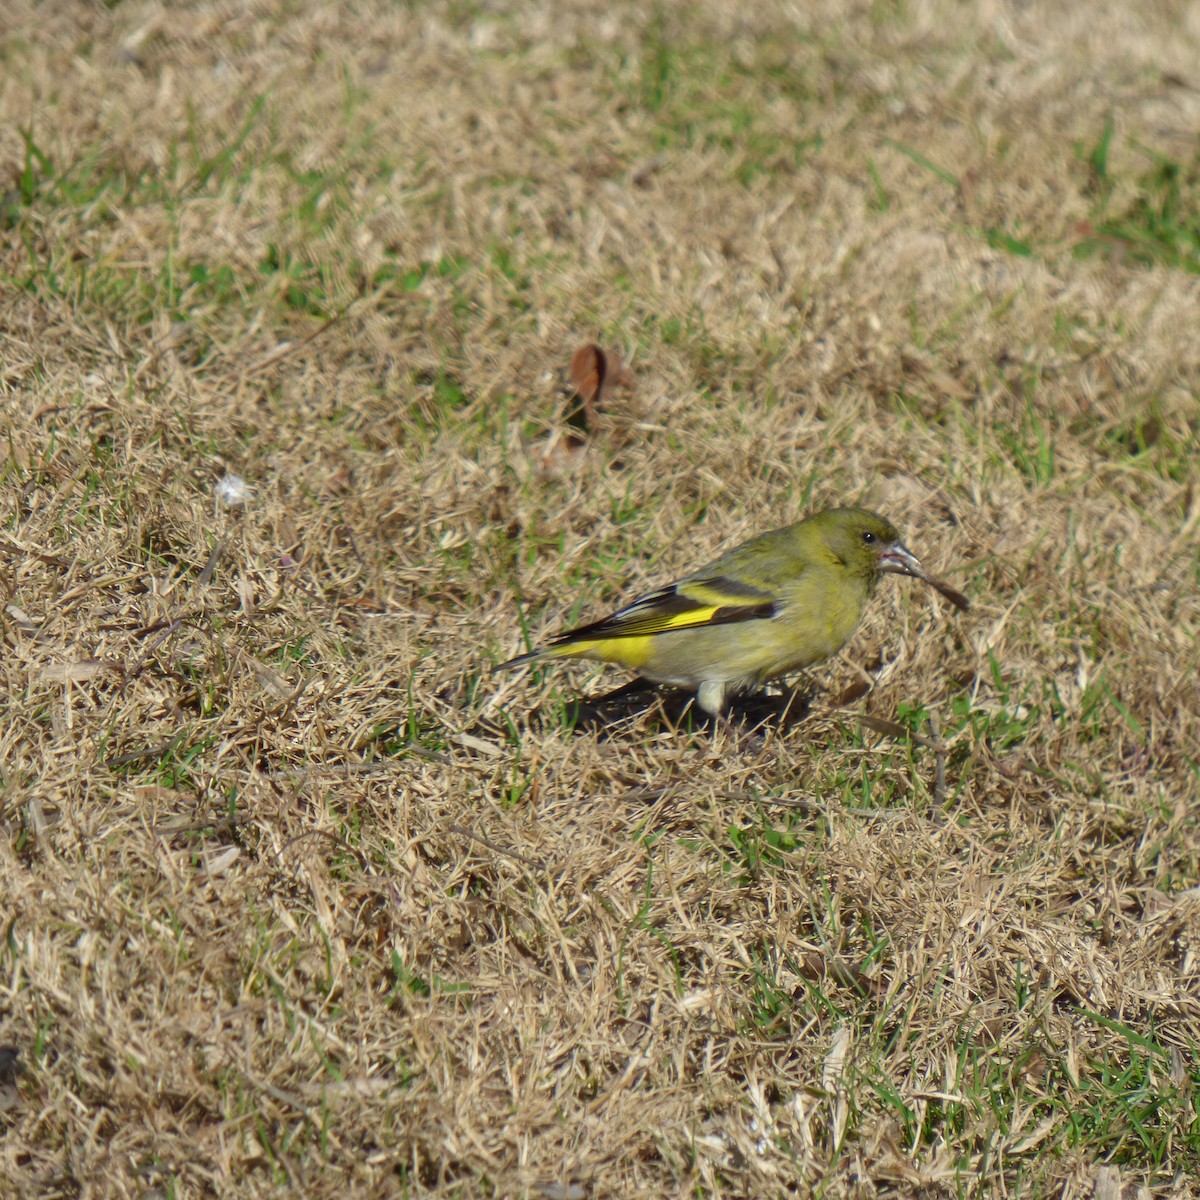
(780, 603)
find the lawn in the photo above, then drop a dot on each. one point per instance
(300, 896)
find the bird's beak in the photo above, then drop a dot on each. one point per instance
(900, 560)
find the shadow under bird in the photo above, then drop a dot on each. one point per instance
(776, 605)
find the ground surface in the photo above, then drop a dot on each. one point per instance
(299, 897)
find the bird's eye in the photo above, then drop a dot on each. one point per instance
(868, 536)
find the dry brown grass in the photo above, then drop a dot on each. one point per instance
(299, 897)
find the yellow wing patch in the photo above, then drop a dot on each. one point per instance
(660, 621)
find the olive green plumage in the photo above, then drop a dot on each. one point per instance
(780, 603)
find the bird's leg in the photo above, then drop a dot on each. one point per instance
(725, 725)
(712, 696)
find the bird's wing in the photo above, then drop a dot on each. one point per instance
(715, 600)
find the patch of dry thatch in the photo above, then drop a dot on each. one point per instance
(301, 897)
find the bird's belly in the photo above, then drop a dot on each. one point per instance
(744, 652)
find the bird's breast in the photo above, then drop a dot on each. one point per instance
(820, 616)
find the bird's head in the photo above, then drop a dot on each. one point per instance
(866, 543)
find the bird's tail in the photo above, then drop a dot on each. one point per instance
(520, 661)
